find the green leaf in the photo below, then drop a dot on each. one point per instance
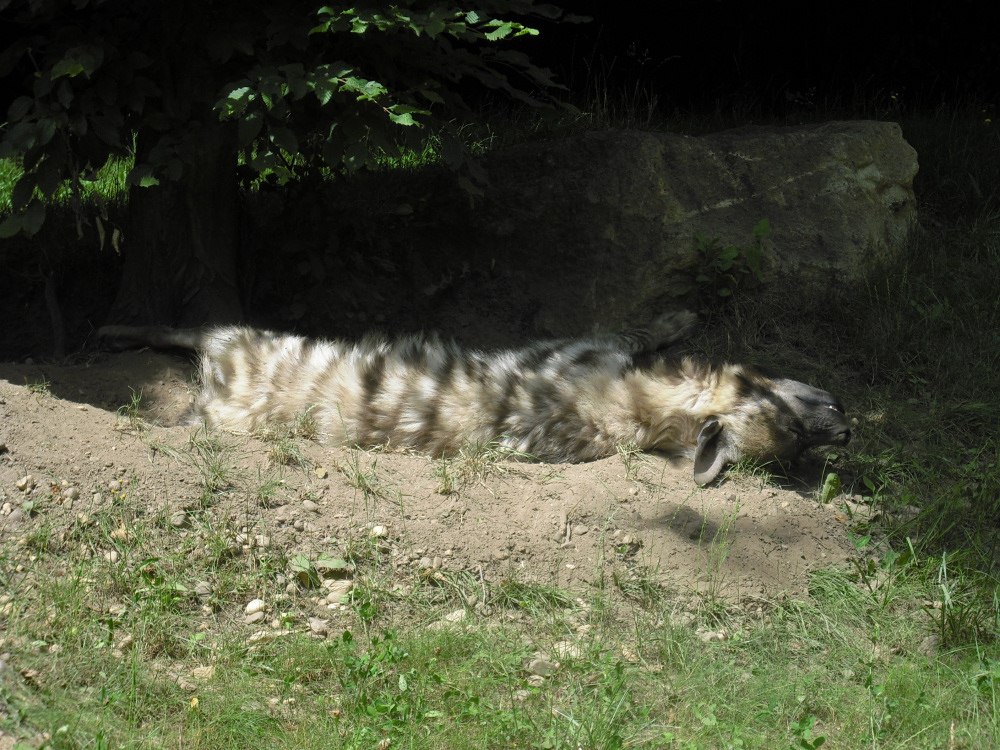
(84, 59)
(762, 229)
(753, 256)
(71, 68)
(141, 177)
(106, 129)
(501, 31)
(405, 119)
(23, 190)
(249, 128)
(10, 226)
(64, 94)
(49, 177)
(831, 486)
(19, 108)
(356, 155)
(325, 562)
(34, 217)
(432, 96)
(285, 140)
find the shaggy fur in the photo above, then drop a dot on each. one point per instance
(572, 400)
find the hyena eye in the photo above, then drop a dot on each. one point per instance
(822, 403)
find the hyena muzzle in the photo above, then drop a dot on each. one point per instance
(558, 401)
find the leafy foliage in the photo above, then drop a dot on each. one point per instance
(292, 87)
(725, 269)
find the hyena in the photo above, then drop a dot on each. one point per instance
(558, 401)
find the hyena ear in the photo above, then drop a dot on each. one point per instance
(713, 452)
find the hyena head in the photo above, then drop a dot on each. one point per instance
(771, 419)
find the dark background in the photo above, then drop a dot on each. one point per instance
(693, 55)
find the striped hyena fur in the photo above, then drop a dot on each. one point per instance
(568, 400)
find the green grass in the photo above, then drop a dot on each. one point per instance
(103, 647)
(107, 184)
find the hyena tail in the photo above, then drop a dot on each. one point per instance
(119, 338)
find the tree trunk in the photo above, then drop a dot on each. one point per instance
(182, 248)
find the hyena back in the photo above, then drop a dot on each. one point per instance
(571, 400)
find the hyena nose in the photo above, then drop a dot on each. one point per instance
(842, 435)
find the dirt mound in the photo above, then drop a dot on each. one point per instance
(633, 518)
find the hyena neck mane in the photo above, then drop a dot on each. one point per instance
(674, 397)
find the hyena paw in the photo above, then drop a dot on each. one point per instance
(672, 326)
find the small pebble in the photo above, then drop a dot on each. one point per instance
(203, 673)
(203, 589)
(338, 589)
(310, 506)
(379, 531)
(541, 667)
(566, 649)
(26, 483)
(255, 617)
(121, 534)
(256, 605)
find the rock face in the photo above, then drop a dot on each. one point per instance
(600, 227)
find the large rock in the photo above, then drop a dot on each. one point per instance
(600, 227)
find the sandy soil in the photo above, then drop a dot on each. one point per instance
(568, 525)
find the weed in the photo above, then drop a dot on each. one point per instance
(724, 270)
(473, 464)
(879, 577)
(715, 551)
(967, 611)
(805, 737)
(213, 460)
(268, 488)
(39, 388)
(130, 414)
(632, 457)
(638, 583)
(830, 488)
(284, 450)
(512, 593)
(363, 478)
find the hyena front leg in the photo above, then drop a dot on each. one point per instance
(660, 332)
